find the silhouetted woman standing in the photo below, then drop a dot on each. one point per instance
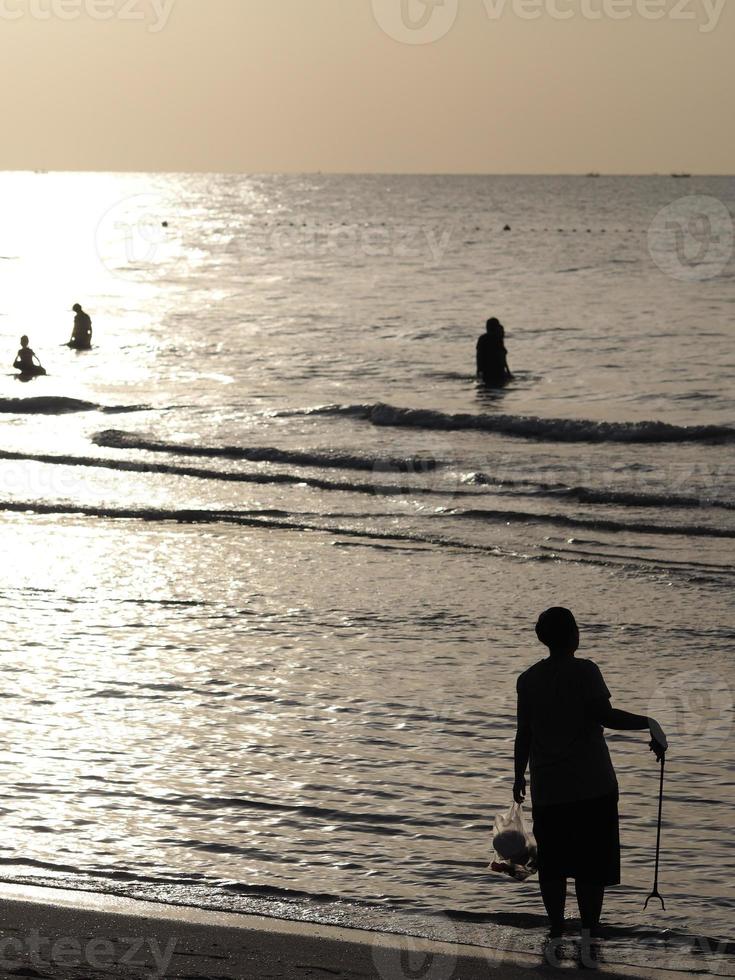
(563, 707)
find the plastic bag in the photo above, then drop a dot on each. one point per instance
(514, 846)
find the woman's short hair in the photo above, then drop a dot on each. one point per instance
(556, 626)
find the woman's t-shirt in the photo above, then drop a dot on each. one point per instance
(569, 755)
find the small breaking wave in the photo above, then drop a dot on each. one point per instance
(603, 495)
(45, 406)
(328, 459)
(593, 524)
(528, 426)
(59, 405)
(260, 520)
(199, 473)
(504, 487)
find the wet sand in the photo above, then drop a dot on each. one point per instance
(49, 933)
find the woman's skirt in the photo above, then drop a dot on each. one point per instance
(579, 840)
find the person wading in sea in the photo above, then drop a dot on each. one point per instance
(563, 707)
(27, 361)
(492, 356)
(81, 336)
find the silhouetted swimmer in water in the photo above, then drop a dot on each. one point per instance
(492, 357)
(27, 362)
(563, 708)
(81, 335)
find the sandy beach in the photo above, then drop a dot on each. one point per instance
(58, 934)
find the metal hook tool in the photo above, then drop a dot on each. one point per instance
(655, 893)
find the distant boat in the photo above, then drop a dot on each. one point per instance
(681, 176)
(593, 175)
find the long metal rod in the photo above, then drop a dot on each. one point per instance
(655, 893)
(660, 813)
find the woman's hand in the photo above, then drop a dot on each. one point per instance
(519, 789)
(659, 743)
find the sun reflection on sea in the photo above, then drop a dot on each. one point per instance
(310, 677)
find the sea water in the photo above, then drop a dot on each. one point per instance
(272, 559)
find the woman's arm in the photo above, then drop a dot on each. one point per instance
(623, 721)
(521, 754)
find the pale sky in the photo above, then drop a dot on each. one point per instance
(505, 86)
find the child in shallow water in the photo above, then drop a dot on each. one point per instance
(27, 362)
